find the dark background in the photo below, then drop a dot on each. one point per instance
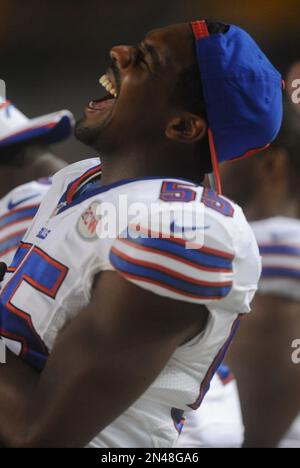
(53, 52)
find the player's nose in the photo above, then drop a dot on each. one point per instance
(123, 56)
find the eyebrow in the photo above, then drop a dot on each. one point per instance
(153, 53)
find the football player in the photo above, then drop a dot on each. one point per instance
(24, 156)
(261, 356)
(29, 156)
(102, 350)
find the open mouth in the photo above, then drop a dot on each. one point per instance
(110, 87)
(108, 101)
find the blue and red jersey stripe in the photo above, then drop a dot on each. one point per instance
(18, 215)
(279, 249)
(154, 274)
(11, 242)
(204, 257)
(280, 272)
(205, 385)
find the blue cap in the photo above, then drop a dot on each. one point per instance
(242, 92)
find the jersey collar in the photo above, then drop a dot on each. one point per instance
(68, 198)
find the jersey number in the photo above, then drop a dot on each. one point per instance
(174, 192)
(32, 268)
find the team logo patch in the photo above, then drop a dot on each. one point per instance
(88, 221)
(43, 233)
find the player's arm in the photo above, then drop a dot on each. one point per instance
(101, 363)
(269, 382)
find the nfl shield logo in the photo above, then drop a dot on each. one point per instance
(88, 222)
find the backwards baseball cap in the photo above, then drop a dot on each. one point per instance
(242, 93)
(15, 127)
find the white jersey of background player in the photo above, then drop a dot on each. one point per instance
(17, 210)
(278, 240)
(61, 254)
(218, 422)
(25, 155)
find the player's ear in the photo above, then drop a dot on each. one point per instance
(186, 128)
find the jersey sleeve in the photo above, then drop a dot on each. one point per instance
(223, 269)
(279, 247)
(17, 211)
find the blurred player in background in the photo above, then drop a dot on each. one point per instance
(268, 188)
(114, 357)
(25, 156)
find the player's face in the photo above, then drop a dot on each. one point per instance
(140, 83)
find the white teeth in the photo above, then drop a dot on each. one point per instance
(107, 84)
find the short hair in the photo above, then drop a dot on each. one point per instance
(189, 91)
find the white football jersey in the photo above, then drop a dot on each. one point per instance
(17, 210)
(222, 274)
(218, 423)
(279, 244)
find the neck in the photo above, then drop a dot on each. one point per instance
(32, 168)
(152, 164)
